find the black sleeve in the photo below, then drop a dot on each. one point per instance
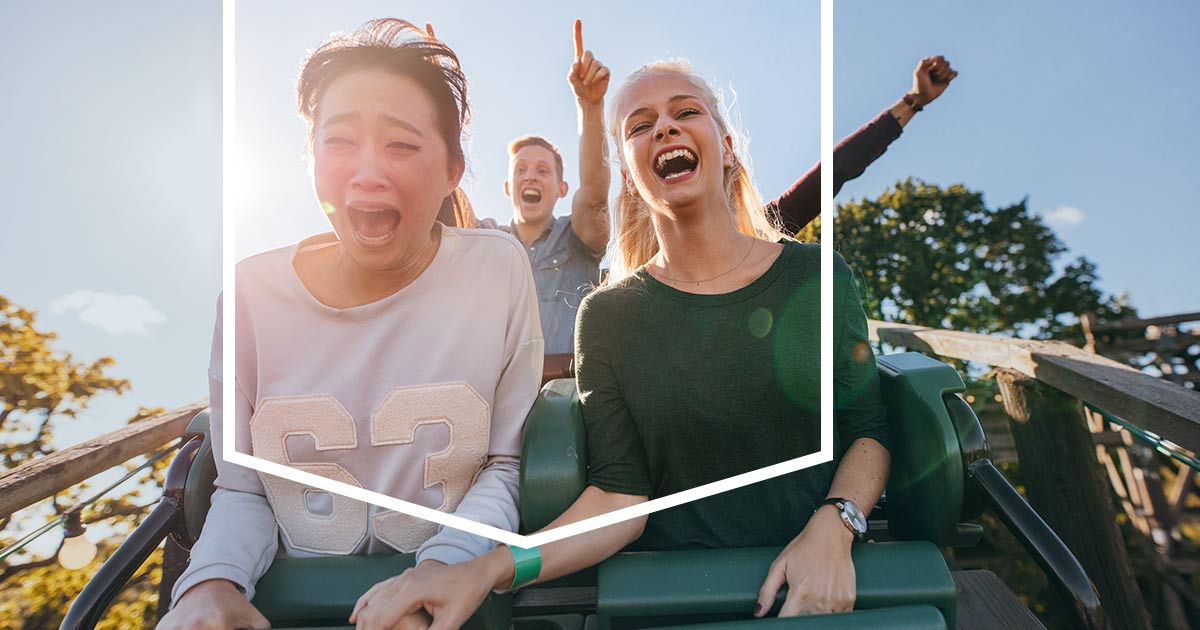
(801, 203)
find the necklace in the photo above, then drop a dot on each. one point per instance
(723, 273)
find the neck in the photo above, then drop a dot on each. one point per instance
(357, 285)
(698, 244)
(528, 231)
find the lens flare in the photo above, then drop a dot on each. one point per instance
(761, 322)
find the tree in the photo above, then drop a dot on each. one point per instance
(41, 387)
(941, 258)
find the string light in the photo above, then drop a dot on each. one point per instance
(76, 551)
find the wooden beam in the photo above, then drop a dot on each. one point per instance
(1166, 409)
(31, 482)
(1141, 345)
(1130, 324)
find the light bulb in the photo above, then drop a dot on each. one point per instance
(76, 552)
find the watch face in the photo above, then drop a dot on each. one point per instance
(855, 516)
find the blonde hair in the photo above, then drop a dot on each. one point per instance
(636, 241)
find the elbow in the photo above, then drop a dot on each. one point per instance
(637, 526)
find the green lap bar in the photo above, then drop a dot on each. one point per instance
(720, 585)
(895, 618)
(321, 592)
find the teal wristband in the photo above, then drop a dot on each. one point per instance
(527, 565)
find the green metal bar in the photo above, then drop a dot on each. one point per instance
(20, 544)
(1166, 447)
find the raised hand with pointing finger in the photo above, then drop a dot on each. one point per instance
(589, 208)
(588, 77)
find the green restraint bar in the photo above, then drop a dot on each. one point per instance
(907, 582)
(898, 618)
(309, 592)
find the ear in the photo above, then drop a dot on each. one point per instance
(625, 178)
(507, 192)
(729, 155)
(562, 189)
(455, 171)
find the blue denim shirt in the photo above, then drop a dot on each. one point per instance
(564, 270)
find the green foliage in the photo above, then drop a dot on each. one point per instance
(39, 384)
(39, 388)
(941, 258)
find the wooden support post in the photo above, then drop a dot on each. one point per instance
(1066, 485)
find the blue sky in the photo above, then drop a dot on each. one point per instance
(112, 130)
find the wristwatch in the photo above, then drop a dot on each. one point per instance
(852, 517)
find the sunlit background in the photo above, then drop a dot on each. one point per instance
(111, 127)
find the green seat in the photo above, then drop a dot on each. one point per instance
(553, 455)
(932, 441)
(643, 589)
(198, 486)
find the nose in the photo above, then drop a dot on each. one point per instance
(666, 129)
(368, 172)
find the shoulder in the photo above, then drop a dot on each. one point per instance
(488, 223)
(809, 255)
(264, 267)
(482, 243)
(609, 303)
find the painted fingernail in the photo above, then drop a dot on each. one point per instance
(758, 610)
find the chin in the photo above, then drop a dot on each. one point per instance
(533, 215)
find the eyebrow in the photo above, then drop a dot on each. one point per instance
(535, 162)
(388, 118)
(677, 97)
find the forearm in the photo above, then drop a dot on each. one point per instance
(492, 500)
(572, 554)
(589, 208)
(902, 111)
(862, 473)
(238, 544)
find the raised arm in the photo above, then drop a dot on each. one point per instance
(801, 203)
(589, 208)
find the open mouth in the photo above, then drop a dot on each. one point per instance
(675, 164)
(374, 225)
(531, 195)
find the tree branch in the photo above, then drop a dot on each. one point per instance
(21, 568)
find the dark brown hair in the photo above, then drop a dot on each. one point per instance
(397, 46)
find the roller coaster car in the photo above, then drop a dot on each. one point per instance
(941, 478)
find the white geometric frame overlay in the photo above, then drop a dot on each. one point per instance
(229, 161)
